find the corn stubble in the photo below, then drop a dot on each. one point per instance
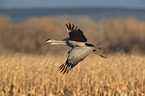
(38, 75)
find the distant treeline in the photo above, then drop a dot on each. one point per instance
(119, 34)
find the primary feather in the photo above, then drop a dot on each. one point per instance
(75, 55)
(75, 33)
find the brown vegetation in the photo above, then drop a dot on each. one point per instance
(38, 75)
(115, 34)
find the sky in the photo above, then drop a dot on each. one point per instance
(136, 4)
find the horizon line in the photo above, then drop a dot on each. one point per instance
(105, 7)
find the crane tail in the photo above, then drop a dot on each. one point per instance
(100, 54)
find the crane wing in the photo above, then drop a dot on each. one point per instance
(75, 55)
(75, 33)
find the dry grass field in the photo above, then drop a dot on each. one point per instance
(38, 75)
(30, 68)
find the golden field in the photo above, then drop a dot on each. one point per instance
(28, 67)
(38, 75)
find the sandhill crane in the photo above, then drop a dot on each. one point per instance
(80, 47)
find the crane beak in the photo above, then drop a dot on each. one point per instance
(48, 41)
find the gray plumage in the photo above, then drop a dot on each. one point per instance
(75, 55)
(80, 48)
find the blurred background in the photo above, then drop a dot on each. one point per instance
(117, 25)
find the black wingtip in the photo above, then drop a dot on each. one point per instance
(72, 26)
(103, 56)
(66, 25)
(64, 69)
(69, 26)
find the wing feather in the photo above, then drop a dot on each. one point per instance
(75, 33)
(76, 54)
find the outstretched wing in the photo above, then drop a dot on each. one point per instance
(75, 33)
(75, 55)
